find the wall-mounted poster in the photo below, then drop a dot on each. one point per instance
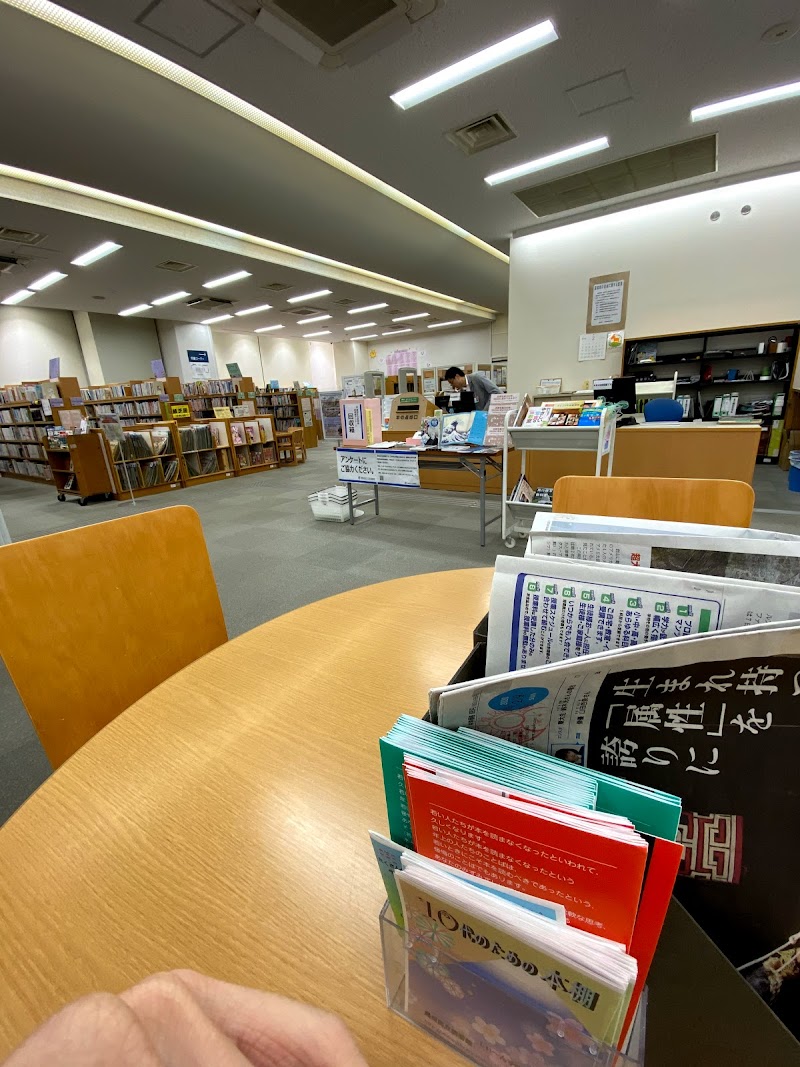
(608, 302)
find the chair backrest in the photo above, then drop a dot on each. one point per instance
(709, 500)
(94, 618)
(663, 409)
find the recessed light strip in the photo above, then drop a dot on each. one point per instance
(313, 318)
(170, 298)
(391, 333)
(164, 68)
(360, 326)
(418, 315)
(319, 333)
(18, 297)
(741, 103)
(367, 307)
(47, 280)
(473, 66)
(308, 296)
(216, 318)
(252, 311)
(134, 310)
(266, 329)
(439, 325)
(366, 337)
(99, 252)
(544, 162)
(227, 279)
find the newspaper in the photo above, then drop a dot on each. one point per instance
(723, 557)
(544, 609)
(563, 522)
(713, 719)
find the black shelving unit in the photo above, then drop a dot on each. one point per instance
(705, 360)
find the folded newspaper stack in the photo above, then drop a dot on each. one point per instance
(686, 680)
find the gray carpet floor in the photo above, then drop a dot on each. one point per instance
(269, 556)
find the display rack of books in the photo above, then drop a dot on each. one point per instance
(26, 412)
(283, 405)
(146, 460)
(253, 442)
(80, 465)
(204, 396)
(136, 402)
(205, 451)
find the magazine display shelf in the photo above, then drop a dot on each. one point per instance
(516, 515)
(565, 1044)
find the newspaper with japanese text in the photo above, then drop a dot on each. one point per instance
(544, 609)
(714, 719)
(563, 522)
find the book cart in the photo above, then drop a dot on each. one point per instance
(516, 515)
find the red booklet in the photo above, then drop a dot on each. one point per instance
(595, 872)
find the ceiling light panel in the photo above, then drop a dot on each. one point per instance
(266, 329)
(360, 326)
(391, 333)
(741, 103)
(252, 311)
(47, 280)
(367, 307)
(18, 297)
(553, 160)
(134, 310)
(439, 325)
(417, 315)
(170, 298)
(366, 337)
(319, 333)
(227, 279)
(99, 252)
(216, 318)
(308, 296)
(473, 66)
(313, 318)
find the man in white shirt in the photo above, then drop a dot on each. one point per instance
(478, 384)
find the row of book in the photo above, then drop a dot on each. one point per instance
(210, 387)
(196, 437)
(199, 464)
(22, 433)
(103, 392)
(21, 451)
(28, 394)
(26, 467)
(10, 416)
(127, 408)
(142, 444)
(255, 431)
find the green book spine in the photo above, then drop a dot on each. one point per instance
(394, 785)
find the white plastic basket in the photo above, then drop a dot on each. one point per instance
(330, 505)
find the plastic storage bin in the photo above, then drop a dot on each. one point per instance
(527, 1036)
(331, 504)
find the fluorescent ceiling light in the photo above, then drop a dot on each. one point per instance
(18, 297)
(252, 311)
(390, 333)
(367, 307)
(309, 296)
(266, 329)
(226, 279)
(313, 318)
(473, 66)
(170, 298)
(134, 310)
(740, 103)
(418, 315)
(438, 325)
(544, 162)
(92, 256)
(361, 326)
(319, 333)
(47, 280)
(217, 318)
(366, 337)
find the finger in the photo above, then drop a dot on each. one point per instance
(95, 1031)
(177, 1026)
(273, 1031)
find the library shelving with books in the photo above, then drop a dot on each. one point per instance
(145, 459)
(134, 402)
(253, 442)
(291, 411)
(205, 451)
(26, 413)
(80, 465)
(204, 396)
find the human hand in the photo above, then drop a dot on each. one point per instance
(185, 1019)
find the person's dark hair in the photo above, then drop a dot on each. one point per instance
(451, 372)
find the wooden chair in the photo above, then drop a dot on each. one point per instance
(708, 500)
(299, 441)
(94, 618)
(287, 453)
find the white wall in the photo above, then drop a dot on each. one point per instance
(30, 337)
(687, 273)
(436, 349)
(241, 348)
(125, 346)
(176, 338)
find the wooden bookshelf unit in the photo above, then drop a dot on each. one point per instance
(26, 412)
(146, 461)
(254, 446)
(205, 449)
(205, 395)
(80, 467)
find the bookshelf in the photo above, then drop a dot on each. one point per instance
(146, 460)
(205, 450)
(254, 445)
(135, 402)
(80, 466)
(291, 411)
(203, 396)
(26, 413)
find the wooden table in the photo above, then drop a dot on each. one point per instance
(221, 822)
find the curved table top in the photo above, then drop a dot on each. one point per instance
(221, 822)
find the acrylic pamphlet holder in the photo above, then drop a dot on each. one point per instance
(489, 1025)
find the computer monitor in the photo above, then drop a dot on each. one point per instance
(442, 401)
(465, 402)
(617, 390)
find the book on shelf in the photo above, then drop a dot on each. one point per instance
(237, 433)
(523, 492)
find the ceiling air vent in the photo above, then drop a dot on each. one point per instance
(20, 237)
(330, 34)
(276, 287)
(302, 312)
(209, 303)
(345, 302)
(175, 265)
(481, 134)
(636, 174)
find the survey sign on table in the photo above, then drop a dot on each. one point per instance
(378, 467)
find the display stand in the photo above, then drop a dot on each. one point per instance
(81, 467)
(517, 515)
